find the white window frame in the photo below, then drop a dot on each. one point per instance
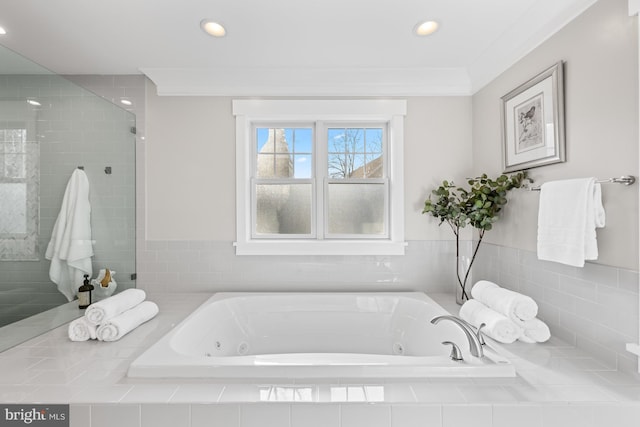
(249, 112)
(257, 181)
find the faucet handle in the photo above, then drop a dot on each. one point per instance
(456, 354)
(481, 334)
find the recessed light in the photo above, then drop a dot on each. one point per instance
(125, 101)
(426, 28)
(213, 28)
(33, 102)
(2, 31)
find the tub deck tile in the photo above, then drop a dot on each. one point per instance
(554, 382)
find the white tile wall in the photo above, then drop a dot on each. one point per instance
(76, 128)
(112, 415)
(265, 415)
(310, 415)
(365, 415)
(594, 308)
(416, 415)
(157, 415)
(467, 415)
(517, 415)
(80, 416)
(553, 414)
(215, 415)
(211, 266)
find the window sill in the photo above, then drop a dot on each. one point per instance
(321, 247)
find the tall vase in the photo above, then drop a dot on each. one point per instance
(463, 266)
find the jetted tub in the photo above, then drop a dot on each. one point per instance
(315, 335)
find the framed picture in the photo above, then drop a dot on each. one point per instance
(533, 122)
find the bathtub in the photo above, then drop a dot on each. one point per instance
(315, 335)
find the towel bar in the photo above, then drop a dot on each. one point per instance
(626, 180)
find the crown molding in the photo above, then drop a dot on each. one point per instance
(257, 81)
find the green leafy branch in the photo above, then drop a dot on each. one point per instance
(478, 205)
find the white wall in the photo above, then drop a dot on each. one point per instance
(601, 109)
(190, 153)
(190, 164)
(190, 168)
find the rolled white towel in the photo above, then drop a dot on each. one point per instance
(534, 329)
(498, 327)
(526, 339)
(81, 330)
(514, 305)
(104, 310)
(117, 327)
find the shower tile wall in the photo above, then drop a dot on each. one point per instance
(73, 130)
(594, 308)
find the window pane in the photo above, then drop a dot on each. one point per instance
(337, 166)
(274, 166)
(302, 165)
(374, 140)
(13, 209)
(335, 140)
(283, 152)
(283, 208)
(356, 209)
(355, 140)
(359, 167)
(15, 166)
(351, 150)
(374, 166)
(303, 140)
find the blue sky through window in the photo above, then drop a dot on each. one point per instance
(300, 147)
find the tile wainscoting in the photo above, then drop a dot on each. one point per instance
(594, 308)
(212, 266)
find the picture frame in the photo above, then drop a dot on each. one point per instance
(533, 122)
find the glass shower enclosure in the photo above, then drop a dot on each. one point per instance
(49, 127)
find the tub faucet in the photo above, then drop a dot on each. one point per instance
(475, 346)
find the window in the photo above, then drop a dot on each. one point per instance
(13, 182)
(19, 183)
(319, 177)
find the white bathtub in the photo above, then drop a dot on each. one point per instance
(315, 335)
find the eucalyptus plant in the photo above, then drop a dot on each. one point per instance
(478, 205)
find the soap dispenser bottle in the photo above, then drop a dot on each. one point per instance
(84, 293)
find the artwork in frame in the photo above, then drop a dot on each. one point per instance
(533, 122)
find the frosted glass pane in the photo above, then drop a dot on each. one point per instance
(357, 209)
(283, 209)
(13, 209)
(15, 165)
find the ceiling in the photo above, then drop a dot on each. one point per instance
(287, 47)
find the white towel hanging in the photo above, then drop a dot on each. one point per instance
(71, 248)
(569, 212)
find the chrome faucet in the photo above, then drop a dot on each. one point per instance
(475, 345)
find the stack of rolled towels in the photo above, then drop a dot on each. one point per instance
(508, 316)
(113, 317)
